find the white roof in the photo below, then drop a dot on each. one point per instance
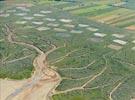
(21, 14)
(43, 28)
(120, 42)
(83, 25)
(92, 29)
(119, 4)
(133, 41)
(21, 22)
(51, 19)
(69, 25)
(133, 48)
(28, 18)
(45, 12)
(76, 31)
(115, 47)
(60, 29)
(66, 20)
(118, 35)
(39, 15)
(38, 23)
(100, 34)
(4, 15)
(29, 27)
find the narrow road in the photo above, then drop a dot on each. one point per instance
(114, 89)
(85, 84)
(43, 81)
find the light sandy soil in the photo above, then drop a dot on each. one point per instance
(8, 86)
(114, 47)
(132, 28)
(42, 83)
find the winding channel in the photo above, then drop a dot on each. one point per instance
(43, 81)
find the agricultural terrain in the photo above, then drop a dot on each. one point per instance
(67, 50)
(118, 13)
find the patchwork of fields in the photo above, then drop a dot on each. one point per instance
(116, 13)
(96, 61)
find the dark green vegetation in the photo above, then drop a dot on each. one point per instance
(89, 69)
(15, 61)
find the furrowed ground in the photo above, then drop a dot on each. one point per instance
(113, 12)
(95, 61)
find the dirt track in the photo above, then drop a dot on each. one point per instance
(42, 83)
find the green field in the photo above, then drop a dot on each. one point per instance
(112, 12)
(89, 68)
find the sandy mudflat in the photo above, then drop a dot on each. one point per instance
(8, 86)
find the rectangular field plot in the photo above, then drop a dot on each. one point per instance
(121, 42)
(115, 47)
(100, 34)
(89, 9)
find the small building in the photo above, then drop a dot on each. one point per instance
(121, 42)
(100, 34)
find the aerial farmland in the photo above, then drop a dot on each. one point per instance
(67, 50)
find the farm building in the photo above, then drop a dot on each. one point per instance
(121, 42)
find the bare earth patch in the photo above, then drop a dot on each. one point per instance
(115, 47)
(133, 48)
(9, 86)
(132, 27)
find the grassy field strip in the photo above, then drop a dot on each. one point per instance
(119, 18)
(108, 18)
(116, 12)
(82, 87)
(103, 86)
(76, 7)
(89, 9)
(63, 57)
(77, 78)
(22, 58)
(93, 62)
(125, 23)
(114, 89)
(98, 11)
(123, 18)
(103, 15)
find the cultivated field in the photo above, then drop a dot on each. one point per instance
(51, 51)
(114, 12)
